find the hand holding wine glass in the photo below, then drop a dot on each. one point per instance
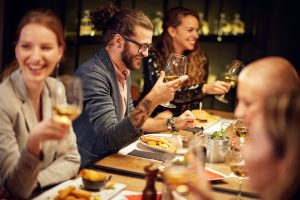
(231, 76)
(175, 67)
(68, 102)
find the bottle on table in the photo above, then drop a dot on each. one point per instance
(149, 192)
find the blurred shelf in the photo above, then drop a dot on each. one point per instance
(227, 38)
(99, 39)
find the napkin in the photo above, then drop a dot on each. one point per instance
(150, 155)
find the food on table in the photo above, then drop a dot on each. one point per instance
(93, 180)
(158, 142)
(201, 115)
(92, 175)
(72, 193)
(62, 194)
(81, 193)
(204, 117)
(219, 135)
(110, 185)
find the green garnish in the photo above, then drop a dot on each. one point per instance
(219, 135)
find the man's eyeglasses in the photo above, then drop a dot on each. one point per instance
(143, 47)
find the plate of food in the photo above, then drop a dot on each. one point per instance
(73, 189)
(167, 143)
(204, 119)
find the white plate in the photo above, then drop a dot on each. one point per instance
(104, 194)
(161, 135)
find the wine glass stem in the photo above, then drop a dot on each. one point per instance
(239, 196)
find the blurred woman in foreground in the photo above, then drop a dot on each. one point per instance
(272, 155)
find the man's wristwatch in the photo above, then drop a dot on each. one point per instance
(171, 124)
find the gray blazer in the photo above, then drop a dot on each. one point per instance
(100, 130)
(19, 169)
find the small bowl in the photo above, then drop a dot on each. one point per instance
(93, 185)
(93, 180)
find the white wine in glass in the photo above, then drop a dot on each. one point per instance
(240, 129)
(231, 76)
(69, 111)
(175, 67)
(239, 169)
(237, 166)
(68, 101)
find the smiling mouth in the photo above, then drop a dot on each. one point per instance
(35, 67)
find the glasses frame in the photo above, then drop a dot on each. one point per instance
(143, 47)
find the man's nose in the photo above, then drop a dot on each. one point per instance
(146, 52)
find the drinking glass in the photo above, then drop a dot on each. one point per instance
(237, 166)
(240, 129)
(181, 171)
(231, 75)
(68, 101)
(175, 67)
(176, 176)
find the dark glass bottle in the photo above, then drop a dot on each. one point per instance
(149, 192)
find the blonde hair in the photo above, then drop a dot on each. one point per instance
(282, 116)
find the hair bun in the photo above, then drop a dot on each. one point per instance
(102, 16)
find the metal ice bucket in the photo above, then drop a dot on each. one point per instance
(217, 150)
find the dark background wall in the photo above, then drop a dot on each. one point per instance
(271, 26)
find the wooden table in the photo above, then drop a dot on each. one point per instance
(130, 171)
(133, 167)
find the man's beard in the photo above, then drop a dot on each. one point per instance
(128, 58)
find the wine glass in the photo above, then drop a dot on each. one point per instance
(176, 176)
(68, 102)
(231, 76)
(181, 171)
(175, 67)
(240, 129)
(237, 166)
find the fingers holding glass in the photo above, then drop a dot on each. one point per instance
(231, 76)
(67, 104)
(175, 68)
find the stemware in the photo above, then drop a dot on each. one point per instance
(231, 75)
(175, 67)
(68, 101)
(240, 129)
(237, 166)
(181, 171)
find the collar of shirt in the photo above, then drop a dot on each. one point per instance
(122, 76)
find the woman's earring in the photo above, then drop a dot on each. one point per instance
(56, 70)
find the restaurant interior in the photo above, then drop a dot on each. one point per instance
(231, 29)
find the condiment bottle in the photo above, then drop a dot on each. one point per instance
(149, 192)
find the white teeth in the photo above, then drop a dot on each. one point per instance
(35, 67)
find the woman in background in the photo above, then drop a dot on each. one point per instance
(180, 35)
(29, 136)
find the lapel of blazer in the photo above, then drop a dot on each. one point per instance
(22, 94)
(46, 100)
(110, 68)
